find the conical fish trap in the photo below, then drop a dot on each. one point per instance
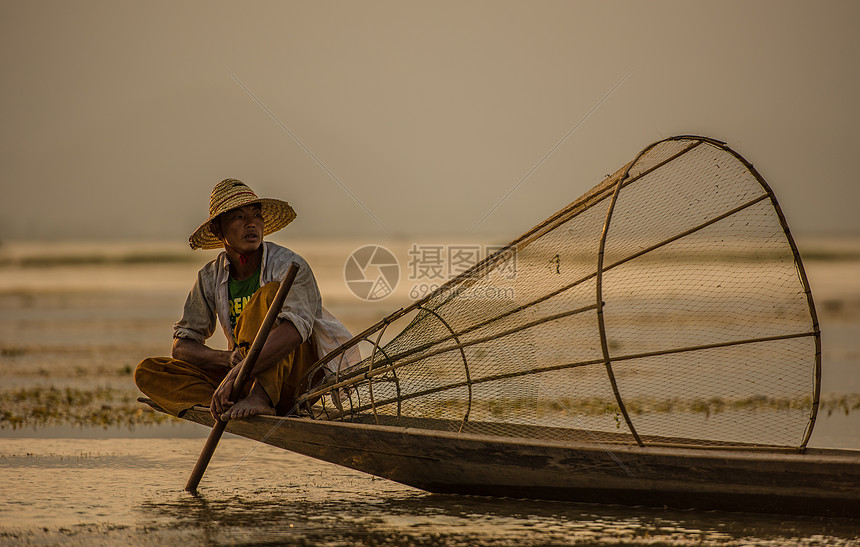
(667, 305)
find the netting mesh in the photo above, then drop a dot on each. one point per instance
(666, 305)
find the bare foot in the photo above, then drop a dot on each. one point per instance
(257, 402)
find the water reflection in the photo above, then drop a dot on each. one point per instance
(129, 492)
(415, 518)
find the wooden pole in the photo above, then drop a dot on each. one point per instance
(247, 365)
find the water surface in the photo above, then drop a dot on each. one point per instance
(71, 480)
(130, 491)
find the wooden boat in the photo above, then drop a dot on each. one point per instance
(818, 482)
(654, 342)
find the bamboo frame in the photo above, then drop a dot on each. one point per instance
(804, 281)
(601, 326)
(370, 368)
(420, 304)
(573, 209)
(578, 364)
(352, 409)
(465, 364)
(768, 193)
(610, 188)
(368, 374)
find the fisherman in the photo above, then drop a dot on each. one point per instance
(236, 290)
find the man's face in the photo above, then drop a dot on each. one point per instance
(242, 228)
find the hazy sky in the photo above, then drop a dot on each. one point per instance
(119, 117)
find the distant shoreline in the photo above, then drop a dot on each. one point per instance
(43, 254)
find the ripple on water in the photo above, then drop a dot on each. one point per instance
(129, 491)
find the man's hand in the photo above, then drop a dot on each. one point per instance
(221, 398)
(235, 357)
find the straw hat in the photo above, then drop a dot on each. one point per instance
(230, 194)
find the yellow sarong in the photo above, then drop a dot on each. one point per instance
(178, 385)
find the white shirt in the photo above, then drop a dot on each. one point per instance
(209, 299)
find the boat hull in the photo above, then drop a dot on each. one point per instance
(821, 481)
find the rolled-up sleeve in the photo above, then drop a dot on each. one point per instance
(198, 315)
(303, 302)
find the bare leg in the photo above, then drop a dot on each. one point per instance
(257, 402)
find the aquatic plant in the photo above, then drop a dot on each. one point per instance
(110, 407)
(596, 406)
(50, 406)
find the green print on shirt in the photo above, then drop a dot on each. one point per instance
(240, 293)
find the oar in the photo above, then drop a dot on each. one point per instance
(247, 366)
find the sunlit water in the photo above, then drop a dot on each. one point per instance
(87, 326)
(130, 491)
